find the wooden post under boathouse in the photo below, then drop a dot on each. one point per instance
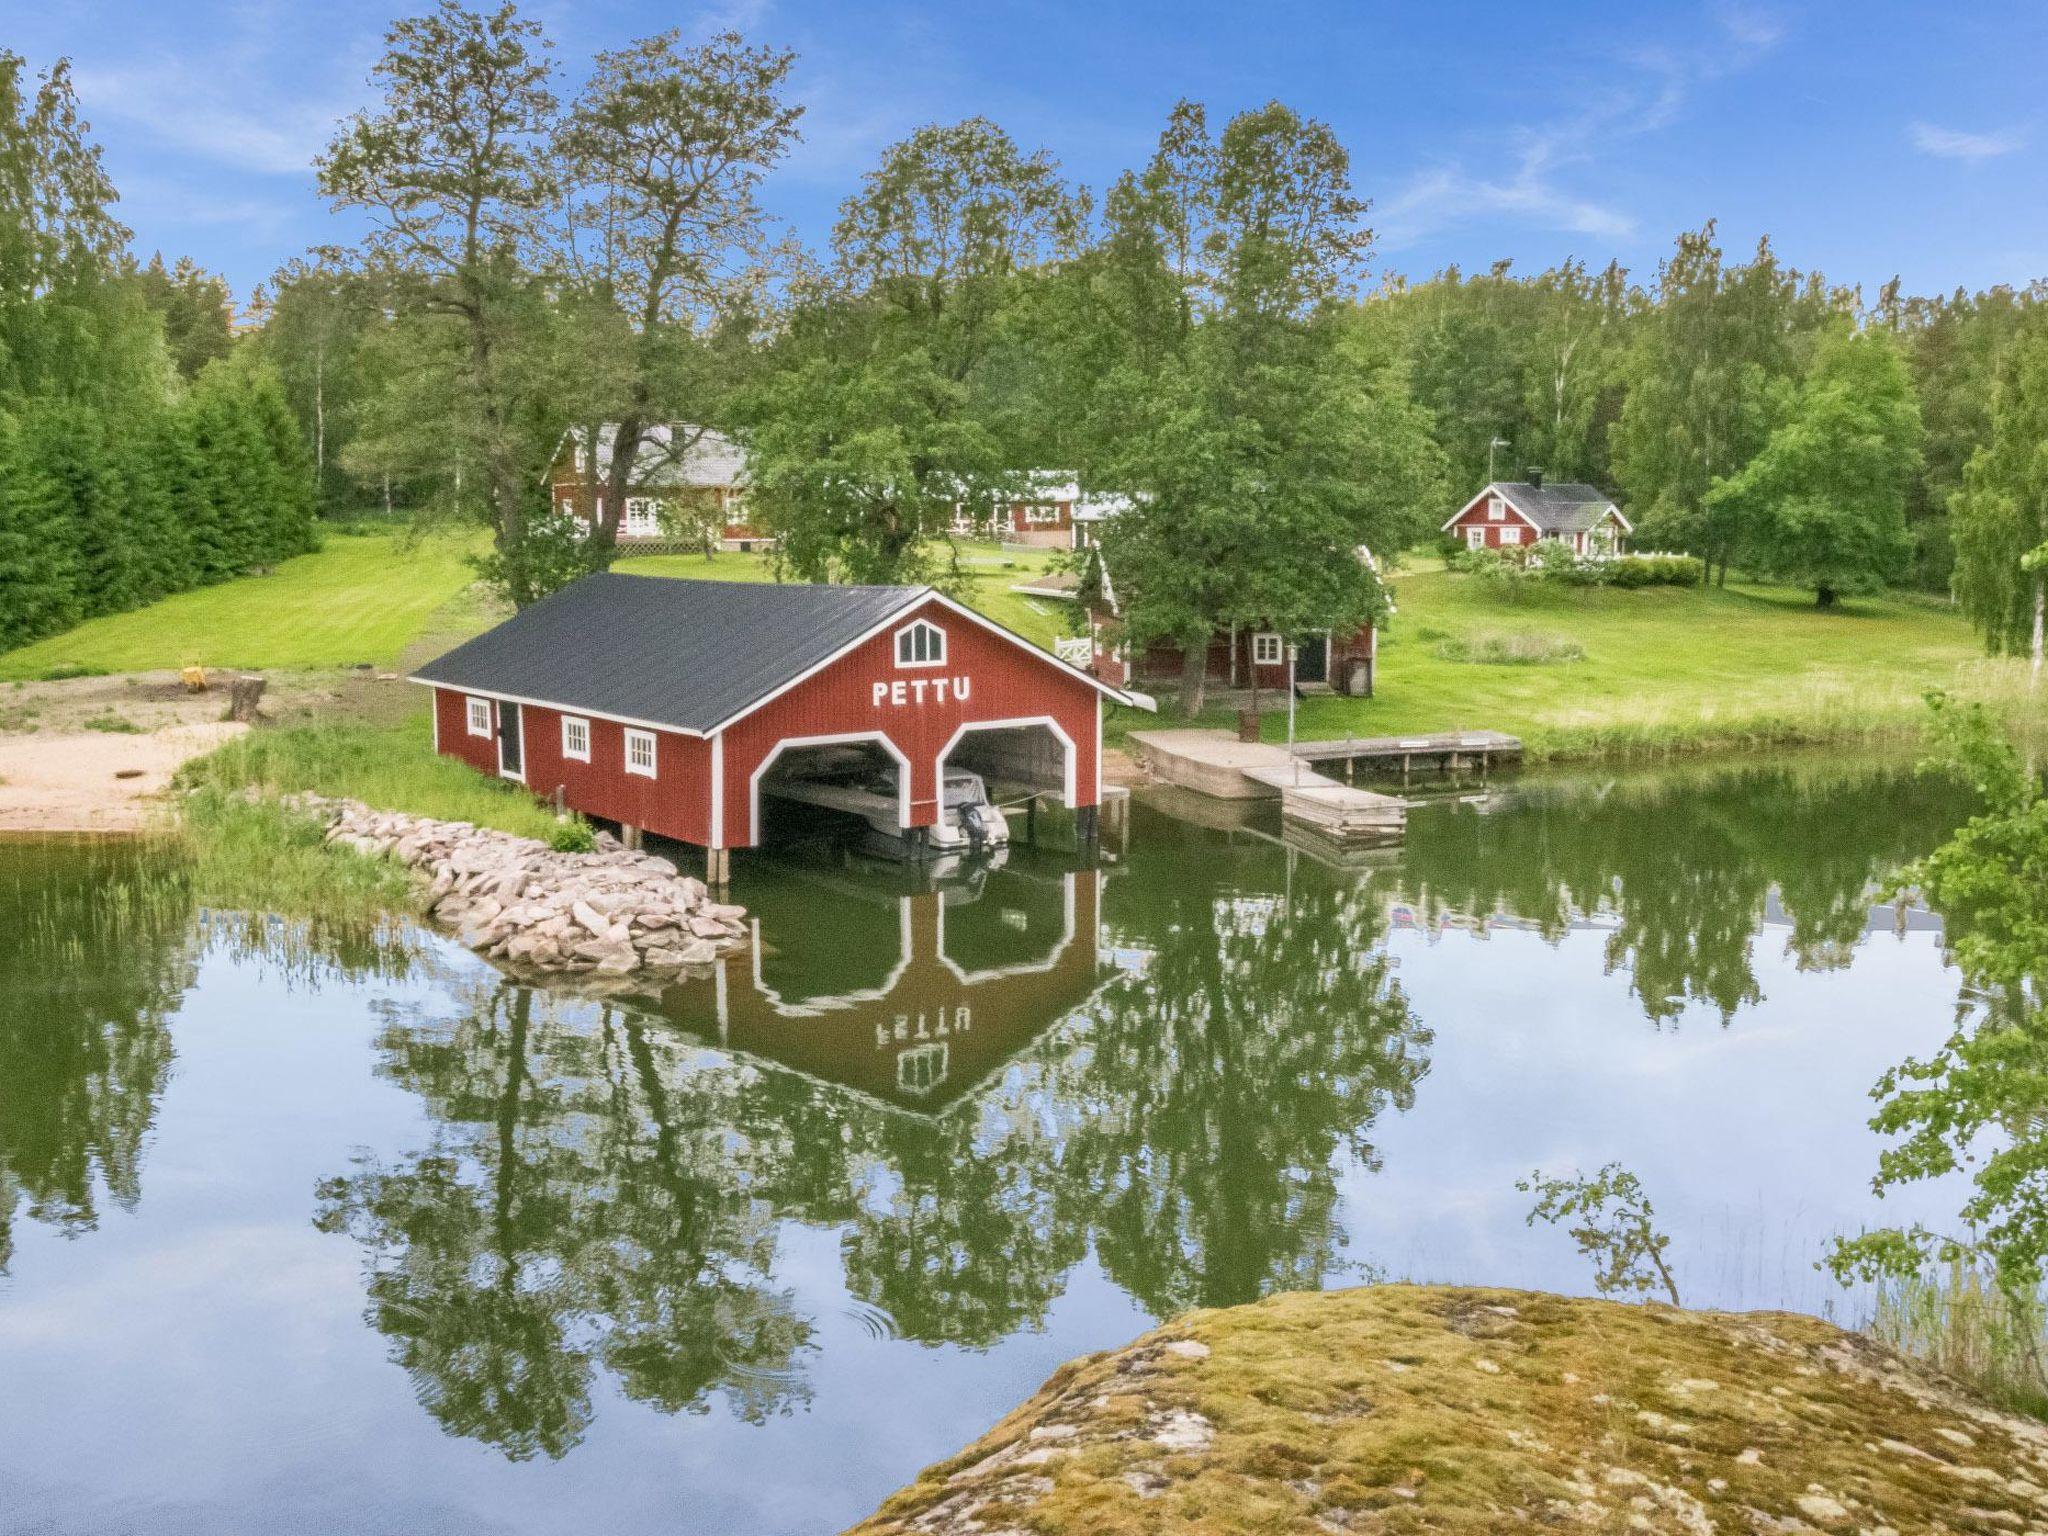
(664, 705)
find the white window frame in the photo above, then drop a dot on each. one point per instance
(735, 509)
(1042, 514)
(1512, 534)
(643, 517)
(903, 641)
(1496, 510)
(1268, 650)
(476, 706)
(572, 725)
(1475, 537)
(636, 739)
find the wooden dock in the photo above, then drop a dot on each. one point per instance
(1218, 764)
(1444, 751)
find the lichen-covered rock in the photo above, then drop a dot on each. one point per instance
(1409, 1409)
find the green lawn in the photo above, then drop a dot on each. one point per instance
(1664, 667)
(360, 598)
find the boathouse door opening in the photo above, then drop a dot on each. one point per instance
(1312, 660)
(1016, 758)
(809, 787)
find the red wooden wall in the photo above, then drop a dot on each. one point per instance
(1005, 681)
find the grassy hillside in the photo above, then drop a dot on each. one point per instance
(360, 598)
(1660, 667)
(1649, 671)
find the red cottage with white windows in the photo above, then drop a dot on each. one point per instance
(1519, 514)
(661, 704)
(688, 483)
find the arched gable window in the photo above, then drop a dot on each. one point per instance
(922, 644)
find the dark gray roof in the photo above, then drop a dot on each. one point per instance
(1567, 506)
(688, 654)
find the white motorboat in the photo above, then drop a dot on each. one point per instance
(968, 823)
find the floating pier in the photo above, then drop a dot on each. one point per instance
(1448, 752)
(1216, 763)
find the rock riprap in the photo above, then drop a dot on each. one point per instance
(611, 913)
(1410, 1409)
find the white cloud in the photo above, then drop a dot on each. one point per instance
(1547, 175)
(1955, 144)
(222, 117)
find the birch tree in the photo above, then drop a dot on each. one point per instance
(2000, 516)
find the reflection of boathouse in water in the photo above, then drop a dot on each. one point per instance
(912, 996)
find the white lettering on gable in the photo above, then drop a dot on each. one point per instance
(938, 690)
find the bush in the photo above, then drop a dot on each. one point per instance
(1510, 648)
(1506, 569)
(572, 834)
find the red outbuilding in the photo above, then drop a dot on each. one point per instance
(663, 704)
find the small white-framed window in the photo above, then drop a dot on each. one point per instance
(643, 517)
(922, 644)
(640, 753)
(1511, 535)
(479, 717)
(1042, 513)
(1267, 651)
(1475, 538)
(735, 509)
(1496, 510)
(576, 738)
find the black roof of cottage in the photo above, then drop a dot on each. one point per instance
(664, 651)
(1564, 506)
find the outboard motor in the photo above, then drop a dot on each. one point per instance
(974, 822)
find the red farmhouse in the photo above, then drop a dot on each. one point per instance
(660, 704)
(1519, 513)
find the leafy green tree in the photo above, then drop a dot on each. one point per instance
(1977, 1103)
(452, 171)
(2000, 515)
(877, 415)
(666, 149)
(1823, 502)
(1956, 345)
(1264, 436)
(1707, 358)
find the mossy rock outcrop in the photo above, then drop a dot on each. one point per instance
(1404, 1409)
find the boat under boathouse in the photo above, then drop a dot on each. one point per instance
(667, 705)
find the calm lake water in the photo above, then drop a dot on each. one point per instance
(343, 1232)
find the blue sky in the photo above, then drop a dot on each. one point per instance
(1866, 138)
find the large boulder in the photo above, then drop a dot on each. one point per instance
(1409, 1409)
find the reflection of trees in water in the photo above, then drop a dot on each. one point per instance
(592, 1198)
(1685, 867)
(600, 1192)
(1263, 1039)
(93, 959)
(98, 946)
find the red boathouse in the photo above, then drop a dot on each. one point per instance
(660, 703)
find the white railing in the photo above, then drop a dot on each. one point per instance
(1075, 650)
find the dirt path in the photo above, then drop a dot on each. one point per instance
(96, 781)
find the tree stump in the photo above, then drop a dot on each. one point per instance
(244, 695)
